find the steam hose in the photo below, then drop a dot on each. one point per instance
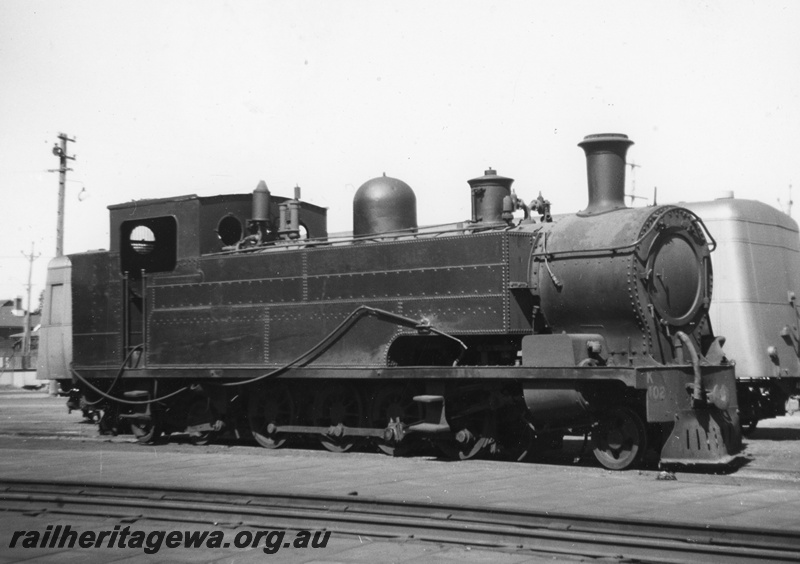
(344, 326)
(121, 400)
(317, 349)
(116, 378)
(681, 340)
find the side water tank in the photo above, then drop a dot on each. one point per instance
(384, 205)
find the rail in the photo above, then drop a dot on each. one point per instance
(523, 532)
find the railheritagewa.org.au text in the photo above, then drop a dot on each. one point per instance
(152, 541)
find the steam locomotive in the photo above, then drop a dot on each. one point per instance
(494, 335)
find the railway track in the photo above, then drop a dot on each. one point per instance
(532, 532)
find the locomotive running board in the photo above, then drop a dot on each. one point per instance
(700, 436)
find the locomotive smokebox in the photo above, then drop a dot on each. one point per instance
(488, 192)
(605, 166)
(384, 205)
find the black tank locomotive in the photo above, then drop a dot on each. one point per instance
(240, 313)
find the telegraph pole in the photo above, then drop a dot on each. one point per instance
(633, 195)
(60, 150)
(26, 338)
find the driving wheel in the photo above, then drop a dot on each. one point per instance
(620, 438)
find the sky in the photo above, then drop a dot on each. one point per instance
(168, 98)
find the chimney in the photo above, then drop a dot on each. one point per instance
(605, 167)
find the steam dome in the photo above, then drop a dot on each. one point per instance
(383, 205)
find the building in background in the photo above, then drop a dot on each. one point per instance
(12, 330)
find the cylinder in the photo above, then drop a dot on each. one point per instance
(605, 167)
(282, 221)
(488, 192)
(261, 202)
(294, 218)
(555, 403)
